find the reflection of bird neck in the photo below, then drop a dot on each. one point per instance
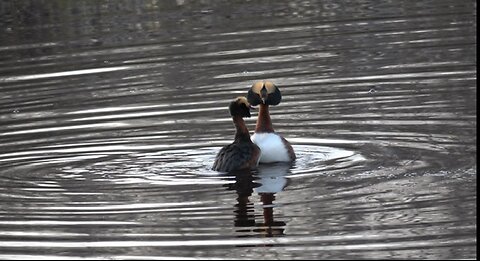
(244, 212)
(264, 123)
(241, 133)
(267, 199)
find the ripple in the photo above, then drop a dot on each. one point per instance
(171, 165)
(193, 166)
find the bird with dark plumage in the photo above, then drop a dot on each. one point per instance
(242, 153)
(273, 147)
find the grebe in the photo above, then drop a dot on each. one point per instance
(242, 153)
(274, 148)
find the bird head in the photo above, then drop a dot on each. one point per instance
(264, 92)
(240, 107)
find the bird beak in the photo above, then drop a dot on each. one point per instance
(263, 94)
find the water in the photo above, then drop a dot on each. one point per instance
(111, 114)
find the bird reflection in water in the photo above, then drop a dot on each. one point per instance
(266, 181)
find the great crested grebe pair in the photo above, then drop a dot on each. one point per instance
(265, 146)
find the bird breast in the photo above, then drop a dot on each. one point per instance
(272, 147)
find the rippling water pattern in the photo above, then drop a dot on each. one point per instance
(112, 112)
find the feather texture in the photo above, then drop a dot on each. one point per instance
(235, 156)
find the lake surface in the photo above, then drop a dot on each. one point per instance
(112, 112)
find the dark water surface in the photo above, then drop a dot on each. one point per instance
(111, 113)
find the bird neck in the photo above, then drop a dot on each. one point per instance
(264, 123)
(241, 133)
